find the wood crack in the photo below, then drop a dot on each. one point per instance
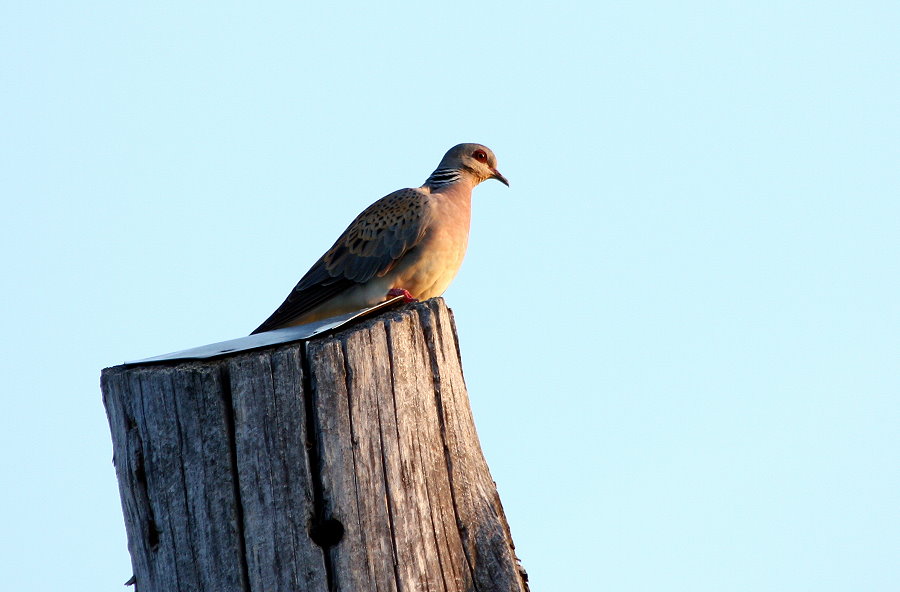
(320, 526)
(184, 485)
(442, 424)
(227, 395)
(384, 467)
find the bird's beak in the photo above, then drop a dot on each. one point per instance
(499, 177)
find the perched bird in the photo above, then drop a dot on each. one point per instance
(410, 243)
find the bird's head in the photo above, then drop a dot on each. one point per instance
(475, 159)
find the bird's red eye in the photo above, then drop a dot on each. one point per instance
(480, 156)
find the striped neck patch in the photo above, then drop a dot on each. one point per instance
(442, 177)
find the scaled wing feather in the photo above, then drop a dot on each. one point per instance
(370, 247)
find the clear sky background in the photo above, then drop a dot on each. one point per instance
(679, 326)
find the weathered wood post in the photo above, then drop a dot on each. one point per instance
(346, 463)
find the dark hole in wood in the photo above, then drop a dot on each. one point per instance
(327, 533)
(152, 534)
(140, 475)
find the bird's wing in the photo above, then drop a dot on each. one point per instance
(370, 247)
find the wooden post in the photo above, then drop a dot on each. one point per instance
(346, 463)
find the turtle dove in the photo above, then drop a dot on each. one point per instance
(410, 243)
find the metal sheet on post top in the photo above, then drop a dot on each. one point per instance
(286, 335)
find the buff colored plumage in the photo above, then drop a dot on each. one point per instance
(409, 242)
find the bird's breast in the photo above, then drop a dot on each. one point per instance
(430, 267)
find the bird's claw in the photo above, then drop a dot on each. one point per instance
(407, 297)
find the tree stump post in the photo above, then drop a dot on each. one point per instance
(346, 463)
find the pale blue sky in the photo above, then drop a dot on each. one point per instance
(679, 325)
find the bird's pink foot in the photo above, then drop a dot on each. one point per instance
(407, 297)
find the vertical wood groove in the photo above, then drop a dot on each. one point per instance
(231, 434)
(353, 444)
(315, 460)
(387, 494)
(448, 457)
(384, 466)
